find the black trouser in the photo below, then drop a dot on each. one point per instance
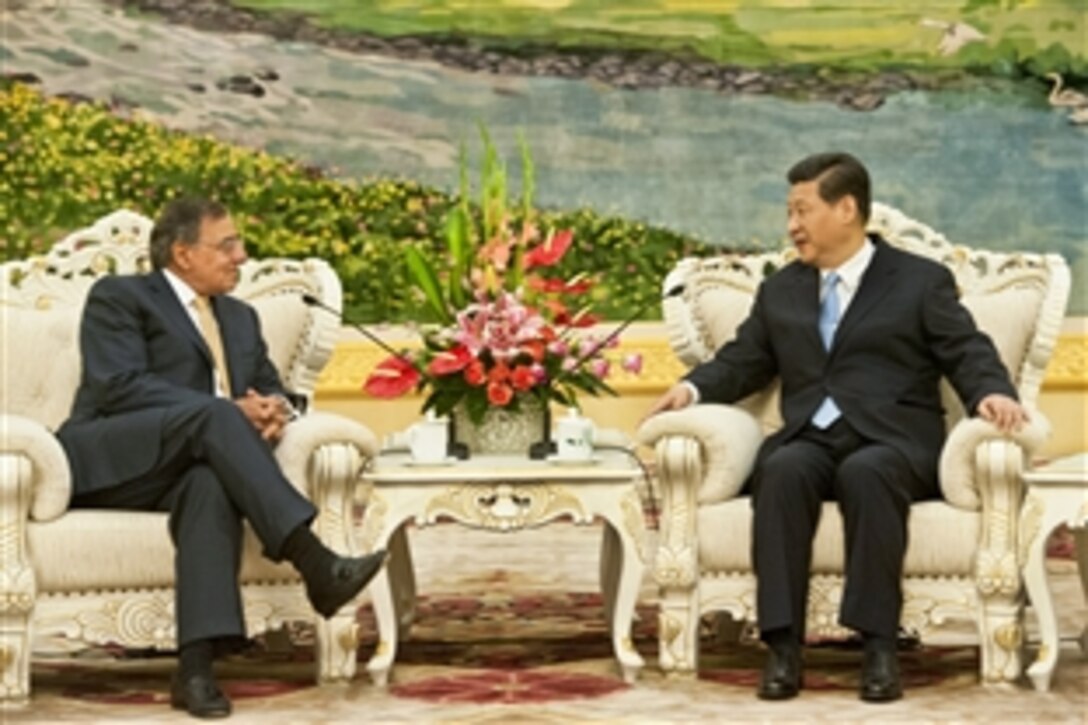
(874, 486)
(214, 471)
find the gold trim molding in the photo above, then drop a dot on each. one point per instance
(352, 362)
(1068, 369)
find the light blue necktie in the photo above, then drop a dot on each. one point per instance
(828, 412)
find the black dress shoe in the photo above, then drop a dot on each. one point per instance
(781, 677)
(338, 583)
(199, 696)
(880, 676)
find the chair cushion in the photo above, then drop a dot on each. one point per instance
(283, 319)
(83, 550)
(721, 309)
(942, 539)
(1009, 317)
(42, 365)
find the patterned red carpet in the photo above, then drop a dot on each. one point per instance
(499, 637)
(501, 648)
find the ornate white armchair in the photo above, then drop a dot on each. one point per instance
(964, 552)
(107, 576)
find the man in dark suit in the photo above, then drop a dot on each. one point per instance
(177, 410)
(859, 334)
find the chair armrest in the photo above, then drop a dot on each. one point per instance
(728, 436)
(323, 454)
(964, 468)
(49, 476)
(304, 437)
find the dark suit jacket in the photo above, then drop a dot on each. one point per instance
(903, 330)
(141, 354)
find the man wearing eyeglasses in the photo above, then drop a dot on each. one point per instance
(177, 410)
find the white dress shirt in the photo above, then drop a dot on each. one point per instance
(187, 296)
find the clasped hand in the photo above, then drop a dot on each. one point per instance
(267, 413)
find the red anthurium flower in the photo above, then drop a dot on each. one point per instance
(450, 361)
(392, 377)
(542, 284)
(475, 374)
(581, 318)
(558, 309)
(577, 285)
(523, 377)
(535, 349)
(499, 393)
(551, 251)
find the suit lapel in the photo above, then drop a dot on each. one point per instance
(805, 297)
(876, 282)
(169, 304)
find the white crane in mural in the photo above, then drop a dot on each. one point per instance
(1065, 97)
(1074, 100)
(956, 34)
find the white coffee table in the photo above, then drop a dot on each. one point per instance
(1057, 493)
(504, 494)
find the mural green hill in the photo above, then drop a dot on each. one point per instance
(66, 165)
(1020, 35)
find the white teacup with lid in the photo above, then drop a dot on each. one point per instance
(428, 439)
(574, 437)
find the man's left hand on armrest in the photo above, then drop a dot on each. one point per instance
(1004, 412)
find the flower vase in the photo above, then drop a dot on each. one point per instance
(502, 431)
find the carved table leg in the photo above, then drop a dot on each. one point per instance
(626, 527)
(402, 580)
(611, 562)
(383, 527)
(1081, 536)
(1052, 507)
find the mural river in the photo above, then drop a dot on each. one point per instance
(996, 169)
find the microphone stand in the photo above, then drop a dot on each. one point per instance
(543, 448)
(453, 446)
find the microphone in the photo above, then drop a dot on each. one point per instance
(312, 301)
(453, 447)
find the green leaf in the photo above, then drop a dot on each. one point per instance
(527, 173)
(427, 281)
(457, 238)
(477, 406)
(444, 401)
(492, 187)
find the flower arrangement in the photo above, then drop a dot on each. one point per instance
(506, 334)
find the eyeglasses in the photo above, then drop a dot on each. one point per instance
(230, 245)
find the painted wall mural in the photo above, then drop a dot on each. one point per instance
(677, 113)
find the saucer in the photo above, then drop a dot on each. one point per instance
(447, 461)
(557, 461)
